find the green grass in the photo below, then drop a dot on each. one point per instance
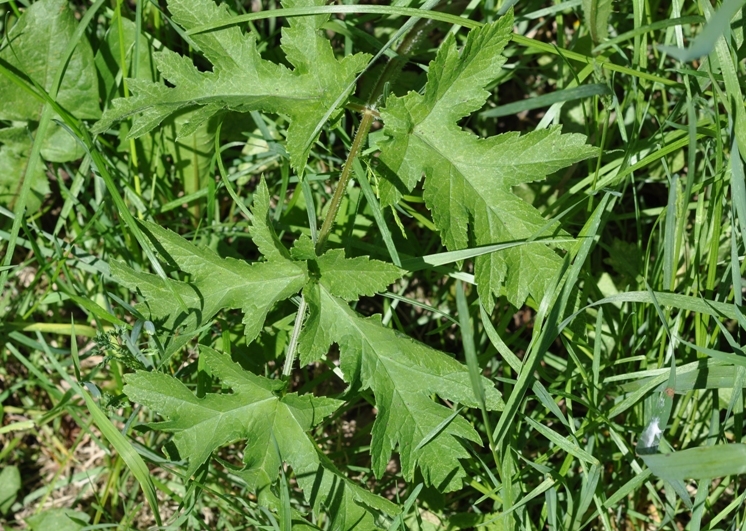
(640, 329)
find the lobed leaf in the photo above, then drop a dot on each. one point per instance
(262, 231)
(10, 484)
(275, 429)
(241, 80)
(214, 284)
(403, 374)
(352, 278)
(15, 145)
(468, 180)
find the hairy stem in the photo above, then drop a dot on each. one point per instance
(410, 42)
(408, 45)
(395, 64)
(357, 143)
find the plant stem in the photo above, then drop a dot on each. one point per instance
(413, 38)
(395, 64)
(293, 345)
(360, 136)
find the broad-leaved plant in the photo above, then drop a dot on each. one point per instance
(418, 392)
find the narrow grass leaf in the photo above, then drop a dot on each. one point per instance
(548, 327)
(310, 209)
(660, 411)
(286, 513)
(120, 443)
(450, 257)
(738, 186)
(630, 486)
(699, 463)
(566, 5)
(423, 12)
(551, 504)
(567, 445)
(597, 344)
(74, 349)
(649, 28)
(731, 79)
(727, 357)
(716, 27)
(224, 177)
(507, 354)
(703, 489)
(735, 268)
(398, 522)
(467, 338)
(587, 492)
(732, 506)
(540, 489)
(548, 402)
(669, 260)
(422, 305)
(375, 207)
(545, 100)
(599, 62)
(17, 426)
(737, 396)
(672, 300)
(438, 429)
(706, 376)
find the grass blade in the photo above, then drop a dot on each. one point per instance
(545, 100)
(699, 463)
(716, 27)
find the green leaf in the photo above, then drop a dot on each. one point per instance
(214, 284)
(352, 278)
(10, 484)
(303, 248)
(241, 80)
(275, 429)
(191, 153)
(698, 463)
(262, 230)
(108, 57)
(469, 180)
(36, 46)
(58, 519)
(16, 145)
(596, 14)
(704, 44)
(403, 374)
